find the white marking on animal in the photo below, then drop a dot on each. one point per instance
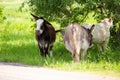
(42, 43)
(51, 53)
(46, 45)
(50, 44)
(39, 24)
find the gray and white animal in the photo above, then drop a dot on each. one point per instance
(77, 40)
(101, 33)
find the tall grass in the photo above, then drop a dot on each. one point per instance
(18, 44)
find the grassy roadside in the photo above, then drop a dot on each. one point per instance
(18, 44)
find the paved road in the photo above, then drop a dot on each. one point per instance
(12, 71)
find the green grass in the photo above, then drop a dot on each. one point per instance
(18, 44)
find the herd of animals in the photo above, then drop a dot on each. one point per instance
(77, 38)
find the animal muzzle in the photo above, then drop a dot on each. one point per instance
(37, 32)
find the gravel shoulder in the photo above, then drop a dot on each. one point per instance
(14, 71)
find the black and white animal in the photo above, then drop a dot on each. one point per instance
(45, 35)
(77, 40)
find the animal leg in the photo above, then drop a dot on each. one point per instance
(83, 54)
(51, 52)
(105, 45)
(76, 56)
(43, 53)
(99, 47)
(76, 51)
(45, 49)
(40, 50)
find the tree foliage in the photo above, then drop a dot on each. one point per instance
(75, 10)
(67, 11)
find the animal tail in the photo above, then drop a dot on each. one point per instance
(92, 27)
(32, 14)
(59, 30)
(62, 31)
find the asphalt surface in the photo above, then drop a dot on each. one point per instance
(14, 71)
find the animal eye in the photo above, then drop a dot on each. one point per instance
(41, 27)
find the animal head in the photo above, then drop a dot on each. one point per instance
(39, 24)
(89, 31)
(108, 21)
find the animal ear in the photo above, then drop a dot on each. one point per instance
(110, 19)
(41, 18)
(35, 17)
(92, 27)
